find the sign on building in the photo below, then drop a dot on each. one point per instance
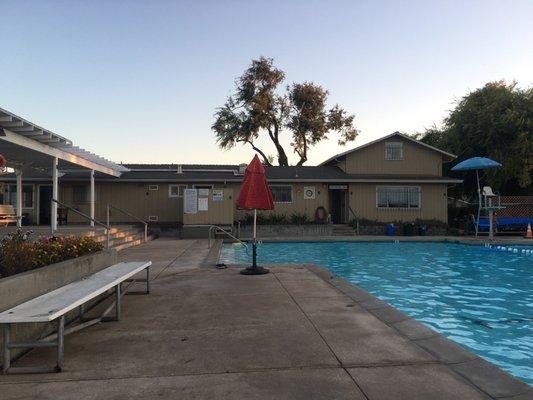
(203, 203)
(309, 192)
(190, 201)
(218, 195)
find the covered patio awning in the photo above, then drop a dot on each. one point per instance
(29, 146)
(24, 143)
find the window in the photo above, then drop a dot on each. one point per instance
(27, 195)
(398, 197)
(79, 194)
(393, 151)
(202, 186)
(281, 194)
(176, 190)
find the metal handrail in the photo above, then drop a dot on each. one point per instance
(110, 206)
(212, 228)
(107, 227)
(354, 217)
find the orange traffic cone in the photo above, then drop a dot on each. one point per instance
(529, 233)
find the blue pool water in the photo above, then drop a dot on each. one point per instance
(481, 298)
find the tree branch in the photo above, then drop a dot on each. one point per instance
(263, 155)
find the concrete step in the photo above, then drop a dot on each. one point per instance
(132, 243)
(122, 237)
(343, 230)
(118, 235)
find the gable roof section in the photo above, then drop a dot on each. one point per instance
(385, 138)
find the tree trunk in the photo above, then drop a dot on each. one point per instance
(282, 156)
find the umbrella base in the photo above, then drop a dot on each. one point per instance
(254, 271)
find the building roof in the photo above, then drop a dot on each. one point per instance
(173, 173)
(341, 155)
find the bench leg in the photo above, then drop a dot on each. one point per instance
(147, 280)
(7, 350)
(117, 303)
(60, 343)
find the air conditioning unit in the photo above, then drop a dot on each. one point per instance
(309, 192)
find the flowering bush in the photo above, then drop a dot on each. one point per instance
(19, 253)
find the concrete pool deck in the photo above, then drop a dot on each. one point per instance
(297, 333)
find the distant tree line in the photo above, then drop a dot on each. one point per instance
(495, 121)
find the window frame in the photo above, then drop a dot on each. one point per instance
(7, 199)
(387, 153)
(202, 186)
(282, 202)
(178, 185)
(418, 207)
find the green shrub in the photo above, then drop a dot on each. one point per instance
(299, 219)
(18, 253)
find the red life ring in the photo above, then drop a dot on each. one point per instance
(321, 214)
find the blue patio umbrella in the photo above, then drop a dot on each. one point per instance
(477, 163)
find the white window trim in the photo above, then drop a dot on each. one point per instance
(170, 195)
(393, 159)
(292, 194)
(32, 196)
(399, 208)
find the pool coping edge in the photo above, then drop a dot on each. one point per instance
(478, 372)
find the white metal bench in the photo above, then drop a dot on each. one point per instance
(57, 303)
(7, 214)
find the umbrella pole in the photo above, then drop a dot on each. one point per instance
(254, 243)
(254, 269)
(479, 205)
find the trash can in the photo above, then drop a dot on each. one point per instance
(422, 229)
(390, 230)
(408, 229)
(25, 219)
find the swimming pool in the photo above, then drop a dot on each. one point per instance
(479, 297)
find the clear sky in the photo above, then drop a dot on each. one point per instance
(139, 81)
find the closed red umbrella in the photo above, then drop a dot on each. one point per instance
(255, 195)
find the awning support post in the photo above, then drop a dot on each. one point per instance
(18, 173)
(55, 195)
(91, 200)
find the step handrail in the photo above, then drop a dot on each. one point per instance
(355, 218)
(213, 228)
(74, 210)
(110, 206)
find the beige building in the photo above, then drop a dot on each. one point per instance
(395, 178)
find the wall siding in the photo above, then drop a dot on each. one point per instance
(219, 213)
(433, 203)
(417, 160)
(298, 204)
(142, 202)
(135, 198)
